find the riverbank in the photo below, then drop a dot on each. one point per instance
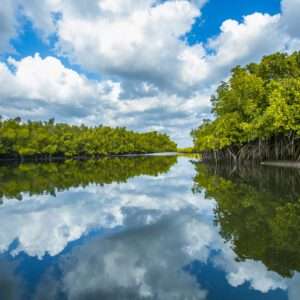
(48, 159)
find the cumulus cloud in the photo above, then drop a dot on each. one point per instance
(109, 36)
(290, 17)
(8, 23)
(133, 42)
(39, 87)
(142, 41)
(42, 14)
(48, 80)
(241, 43)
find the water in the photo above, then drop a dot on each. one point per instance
(149, 228)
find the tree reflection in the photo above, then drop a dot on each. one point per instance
(258, 210)
(48, 178)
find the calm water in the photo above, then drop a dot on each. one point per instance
(149, 228)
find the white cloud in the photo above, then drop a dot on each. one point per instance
(241, 43)
(290, 17)
(139, 42)
(47, 79)
(241, 40)
(41, 13)
(134, 40)
(36, 87)
(142, 41)
(8, 23)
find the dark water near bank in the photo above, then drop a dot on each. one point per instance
(149, 228)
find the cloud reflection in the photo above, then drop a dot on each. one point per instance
(163, 227)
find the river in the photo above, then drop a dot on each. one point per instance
(149, 228)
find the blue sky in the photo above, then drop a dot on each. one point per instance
(147, 64)
(215, 12)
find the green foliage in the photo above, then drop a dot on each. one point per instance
(48, 139)
(48, 178)
(258, 210)
(259, 102)
(188, 150)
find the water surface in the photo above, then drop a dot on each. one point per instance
(149, 228)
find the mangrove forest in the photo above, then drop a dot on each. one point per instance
(47, 140)
(256, 114)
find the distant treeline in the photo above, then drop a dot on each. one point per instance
(45, 140)
(50, 178)
(257, 113)
(258, 211)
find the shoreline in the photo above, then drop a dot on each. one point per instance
(82, 158)
(282, 163)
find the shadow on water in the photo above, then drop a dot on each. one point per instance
(48, 178)
(258, 210)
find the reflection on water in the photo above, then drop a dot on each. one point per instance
(258, 209)
(41, 178)
(147, 228)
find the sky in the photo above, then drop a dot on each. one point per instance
(143, 64)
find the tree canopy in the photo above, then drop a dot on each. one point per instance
(258, 106)
(31, 139)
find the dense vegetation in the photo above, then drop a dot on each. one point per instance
(258, 210)
(49, 178)
(256, 113)
(44, 140)
(187, 150)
